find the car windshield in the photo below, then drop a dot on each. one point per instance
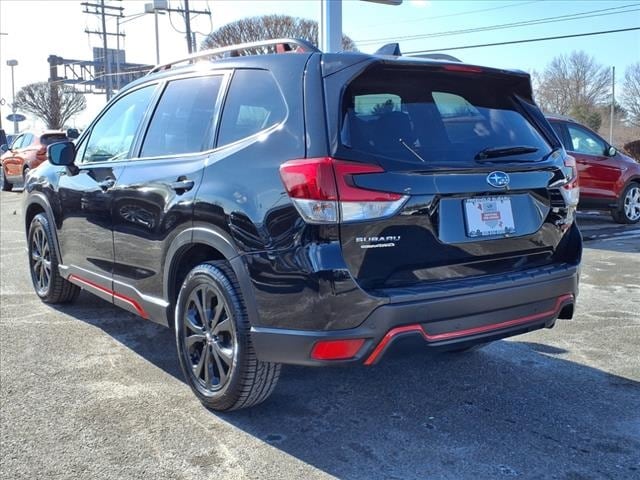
(436, 118)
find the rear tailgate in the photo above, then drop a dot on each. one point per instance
(443, 137)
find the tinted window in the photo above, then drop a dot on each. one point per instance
(52, 138)
(558, 129)
(17, 142)
(112, 135)
(585, 142)
(254, 103)
(405, 115)
(183, 120)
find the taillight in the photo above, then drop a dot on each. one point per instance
(571, 172)
(41, 154)
(323, 191)
(570, 190)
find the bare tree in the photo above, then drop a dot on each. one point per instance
(575, 81)
(265, 28)
(631, 93)
(54, 104)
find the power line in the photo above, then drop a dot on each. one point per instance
(186, 13)
(540, 39)
(468, 12)
(539, 21)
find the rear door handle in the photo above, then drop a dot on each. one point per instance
(182, 185)
(107, 184)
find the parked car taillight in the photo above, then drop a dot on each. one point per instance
(323, 191)
(41, 154)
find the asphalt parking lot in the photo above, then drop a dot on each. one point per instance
(90, 391)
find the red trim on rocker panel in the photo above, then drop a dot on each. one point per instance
(417, 328)
(141, 311)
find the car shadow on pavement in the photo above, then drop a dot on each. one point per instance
(512, 409)
(150, 340)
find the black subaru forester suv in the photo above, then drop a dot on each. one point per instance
(310, 208)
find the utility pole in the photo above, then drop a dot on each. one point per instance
(103, 10)
(613, 103)
(186, 12)
(107, 60)
(12, 64)
(187, 24)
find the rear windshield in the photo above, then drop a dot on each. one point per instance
(50, 138)
(435, 118)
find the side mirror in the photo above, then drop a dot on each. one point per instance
(61, 153)
(4, 148)
(611, 151)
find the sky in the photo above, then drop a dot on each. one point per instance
(58, 27)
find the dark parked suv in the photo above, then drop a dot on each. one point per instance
(311, 208)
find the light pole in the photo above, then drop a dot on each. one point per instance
(13, 63)
(330, 31)
(157, 7)
(118, 23)
(150, 8)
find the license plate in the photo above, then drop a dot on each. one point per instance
(489, 216)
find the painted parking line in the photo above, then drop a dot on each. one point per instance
(611, 235)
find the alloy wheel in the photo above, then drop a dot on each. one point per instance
(209, 338)
(632, 204)
(40, 261)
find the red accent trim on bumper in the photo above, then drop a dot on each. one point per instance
(141, 311)
(417, 328)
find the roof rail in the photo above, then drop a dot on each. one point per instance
(233, 50)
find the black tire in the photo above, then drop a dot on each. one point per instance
(43, 264)
(221, 343)
(6, 185)
(628, 211)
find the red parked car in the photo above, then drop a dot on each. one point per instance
(26, 152)
(609, 180)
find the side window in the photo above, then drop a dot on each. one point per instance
(183, 119)
(376, 104)
(585, 142)
(254, 103)
(27, 140)
(454, 106)
(112, 135)
(17, 142)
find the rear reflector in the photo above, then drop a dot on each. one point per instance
(336, 349)
(323, 191)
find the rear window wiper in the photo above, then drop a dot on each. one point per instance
(495, 152)
(404, 144)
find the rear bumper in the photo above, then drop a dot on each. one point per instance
(443, 322)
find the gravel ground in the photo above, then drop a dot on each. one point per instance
(90, 391)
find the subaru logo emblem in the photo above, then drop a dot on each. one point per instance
(498, 179)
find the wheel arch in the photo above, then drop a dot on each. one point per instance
(200, 244)
(37, 203)
(632, 179)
